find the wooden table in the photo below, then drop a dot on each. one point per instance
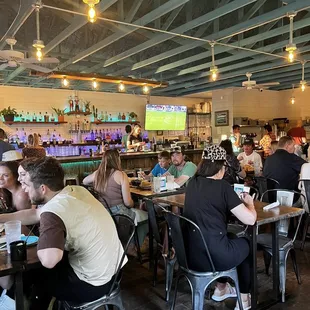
(273, 216)
(150, 194)
(17, 269)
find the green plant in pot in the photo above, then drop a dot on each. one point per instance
(8, 114)
(60, 113)
(132, 116)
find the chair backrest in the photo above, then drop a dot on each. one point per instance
(101, 199)
(263, 184)
(125, 229)
(304, 186)
(178, 225)
(153, 219)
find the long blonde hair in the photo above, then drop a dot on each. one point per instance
(110, 163)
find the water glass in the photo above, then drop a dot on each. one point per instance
(170, 182)
(156, 184)
(13, 231)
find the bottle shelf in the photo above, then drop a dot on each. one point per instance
(78, 113)
(31, 123)
(115, 122)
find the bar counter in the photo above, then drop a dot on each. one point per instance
(83, 165)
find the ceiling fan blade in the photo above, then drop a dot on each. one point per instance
(3, 66)
(268, 84)
(36, 68)
(46, 60)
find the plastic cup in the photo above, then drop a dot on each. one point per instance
(170, 182)
(13, 231)
(156, 184)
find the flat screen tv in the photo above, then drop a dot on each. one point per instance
(165, 117)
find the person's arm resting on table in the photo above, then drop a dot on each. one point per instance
(52, 240)
(27, 217)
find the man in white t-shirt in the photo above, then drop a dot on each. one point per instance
(249, 159)
(78, 245)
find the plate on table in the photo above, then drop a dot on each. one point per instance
(145, 188)
(32, 240)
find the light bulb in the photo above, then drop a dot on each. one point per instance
(121, 87)
(145, 89)
(291, 56)
(92, 17)
(39, 54)
(303, 87)
(214, 76)
(292, 100)
(95, 84)
(65, 82)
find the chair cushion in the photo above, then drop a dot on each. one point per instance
(265, 240)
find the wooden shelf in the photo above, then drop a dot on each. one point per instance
(194, 113)
(115, 122)
(31, 123)
(78, 113)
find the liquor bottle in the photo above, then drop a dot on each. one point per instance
(117, 134)
(107, 135)
(92, 135)
(123, 117)
(70, 103)
(28, 118)
(103, 134)
(22, 116)
(113, 135)
(25, 138)
(96, 134)
(40, 117)
(48, 136)
(106, 116)
(34, 118)
(120, 134)
(100, 134)
(119, 116)
(110, 117)
(54, 138)
(46, 117)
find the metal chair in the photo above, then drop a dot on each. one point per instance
(169, 262)
(304, 185)
(286, 244)
(263, 184)
(198, 281)
(125, 229)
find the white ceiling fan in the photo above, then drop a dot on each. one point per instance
(251, 84)
(12, 58)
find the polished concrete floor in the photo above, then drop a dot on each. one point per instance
(138, 292)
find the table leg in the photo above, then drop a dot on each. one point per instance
(19, 294)
(253, 233)
(151, 241)
(275, 259)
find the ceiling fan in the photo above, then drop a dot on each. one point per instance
(12, 58)
(251, 84)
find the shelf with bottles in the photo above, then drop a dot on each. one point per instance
(32, 123)
(114, 122)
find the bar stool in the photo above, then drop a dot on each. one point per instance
(71, 179)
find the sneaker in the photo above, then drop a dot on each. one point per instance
(6, 302)
(246, 305)
(228, 292)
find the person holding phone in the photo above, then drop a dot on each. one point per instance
(208, 202)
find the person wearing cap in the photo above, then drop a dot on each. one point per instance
(4, 146)
(249, 159)
(208, 202)
(181, 170)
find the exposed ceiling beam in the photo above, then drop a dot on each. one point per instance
(181, 29)
(124, 31)
(229, 32)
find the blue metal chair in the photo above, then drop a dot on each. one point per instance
(125, 229)
(286, 244)
(198, 281)
(304, 185)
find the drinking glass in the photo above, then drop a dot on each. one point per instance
(13, 231)
(156, 184)
(170, 182)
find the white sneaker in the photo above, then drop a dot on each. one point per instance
(6, 302)
(228, 292)
(245, 304)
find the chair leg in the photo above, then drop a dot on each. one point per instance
(198, 296)
(117, 302)
(267, 260)
(282, 275)
(295, 265)
(136, 238)
(156, 257)
(304, 235)
(169, 266)
(175, 293)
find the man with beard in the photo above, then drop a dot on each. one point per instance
(182, 170)
(78, 245)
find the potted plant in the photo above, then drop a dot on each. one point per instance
(8, 114)
(60, 113)
(132, 116)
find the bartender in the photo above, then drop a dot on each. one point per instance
(134, 140)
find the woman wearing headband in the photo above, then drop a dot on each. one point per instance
(208, 202)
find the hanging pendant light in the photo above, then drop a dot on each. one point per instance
(94, 84)
(145, 89)
(291, 47)
(92, 15)
(38, 44)
(292, 97)
(121, 87)
(303, 82)
(213, 68)
(65, 81)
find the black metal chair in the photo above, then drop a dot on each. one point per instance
(286, 244)
(198, 281)
(304, 185)
(169, 262)
(125, 229)
(263, 184)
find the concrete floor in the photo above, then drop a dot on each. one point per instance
(138, 292)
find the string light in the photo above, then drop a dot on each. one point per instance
(92, 15)
(65, 81)
(291, 47)
(145, 89)
(213, 69)
(38, 44)
(292, 100)
(303, 82)
(121, 87)
(95, 84)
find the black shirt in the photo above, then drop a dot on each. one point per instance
(232, 169)
(284, 167)
(208, 203)
(133, 139)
